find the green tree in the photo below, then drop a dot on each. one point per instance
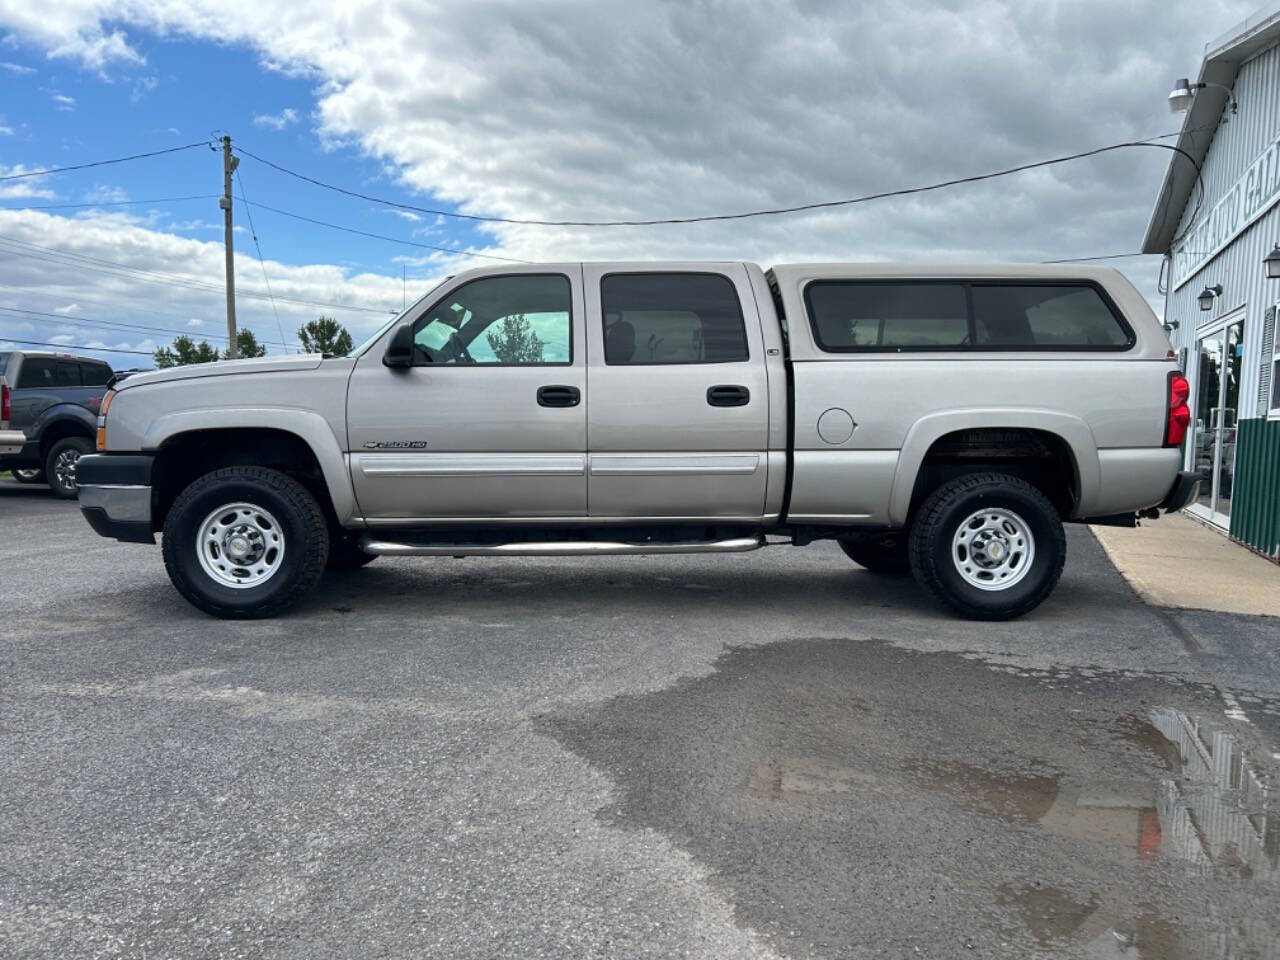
(247, 345)
(516, 343)
(325, 335)
(184, 351)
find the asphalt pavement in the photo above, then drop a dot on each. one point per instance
(774, 754)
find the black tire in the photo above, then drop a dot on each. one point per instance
(345, 554)
(886, 554)
(941, 517)
(60, 465)
(301, 525)
(29, 475)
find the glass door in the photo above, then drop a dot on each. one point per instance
(1212, 452)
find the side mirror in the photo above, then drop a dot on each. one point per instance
(399, 352)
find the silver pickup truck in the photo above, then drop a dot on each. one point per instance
(942, 419)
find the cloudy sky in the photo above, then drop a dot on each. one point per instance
(571, 110)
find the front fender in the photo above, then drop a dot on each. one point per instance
(312, 428)
(927, 430)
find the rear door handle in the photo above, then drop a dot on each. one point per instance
(728, 395)
(559, 396)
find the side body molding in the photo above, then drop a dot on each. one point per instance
(312, 428)
(928, 429)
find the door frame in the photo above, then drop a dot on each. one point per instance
(1215, 328)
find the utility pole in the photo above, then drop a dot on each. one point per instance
(229, 164)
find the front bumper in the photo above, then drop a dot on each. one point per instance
(1184, 491)
(11, 442)
(115, 495)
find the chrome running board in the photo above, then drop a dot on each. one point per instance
(553, 548)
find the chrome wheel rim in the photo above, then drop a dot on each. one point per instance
(993, 549)
(64, 468)
(240, 545)
(27, 474)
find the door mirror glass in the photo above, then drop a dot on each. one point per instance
(399, 352)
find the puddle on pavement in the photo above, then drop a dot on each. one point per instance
(1148, 834)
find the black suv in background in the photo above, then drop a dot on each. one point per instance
(54, 400)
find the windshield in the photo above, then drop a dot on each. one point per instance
(369, 341)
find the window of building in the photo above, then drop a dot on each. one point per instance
(854, 315)
(521, 320)
(671, 318)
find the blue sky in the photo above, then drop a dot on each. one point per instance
(577, 109)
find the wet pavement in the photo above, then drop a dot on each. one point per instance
(1004, 812)
(775, 755)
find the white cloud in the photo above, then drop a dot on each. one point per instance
(5, 131)
(102, 193)
(56, 265)
(277, 121)
(64, 102)
(510, 110)
(29, 189)
(17, 69)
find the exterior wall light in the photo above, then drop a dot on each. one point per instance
(1170, 326)
(1184, 91)
(1207, 296)
(1272, 263)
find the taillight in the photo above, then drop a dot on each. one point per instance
(4, 402)
(1179, 415)
(101, 443)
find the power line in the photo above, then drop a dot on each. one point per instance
(111, 203)
(114, 268)
(379, 236)
(776, 211)
(74, 346)
(86, 321)
(1108, 256)
(102, 163)
(262, 263)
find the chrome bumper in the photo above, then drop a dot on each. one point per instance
(121, 512)
(11, 442)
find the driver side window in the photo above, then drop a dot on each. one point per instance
(520, 320)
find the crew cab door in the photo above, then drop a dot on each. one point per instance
(490, 421)
(678, 418)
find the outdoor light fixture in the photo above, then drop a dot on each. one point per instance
(1207, 296)
(1170, 326)
(1184, 91)
(1272, 263)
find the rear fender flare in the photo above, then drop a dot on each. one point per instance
(927, 430)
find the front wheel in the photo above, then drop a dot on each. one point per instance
(29, 475)
(988, 545)
(245, 542)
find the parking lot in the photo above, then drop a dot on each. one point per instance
(768, 755)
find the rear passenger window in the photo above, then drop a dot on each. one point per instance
(868, 316)
(1056, 317)
(671, 318)
(95, 374)
(66, 374)
(36, 372)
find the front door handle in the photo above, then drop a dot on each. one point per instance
(728, 395)
(559, 396)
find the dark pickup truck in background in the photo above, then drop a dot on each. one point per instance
(53, 398)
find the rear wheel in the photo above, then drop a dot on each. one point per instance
(883, 554)
(989, 545)
(32, 475)
(245, 542)
(60, 465)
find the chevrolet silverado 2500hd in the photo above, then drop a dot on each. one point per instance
(945, 419)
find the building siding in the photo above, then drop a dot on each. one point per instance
(1255, 502)
(1238, 268)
